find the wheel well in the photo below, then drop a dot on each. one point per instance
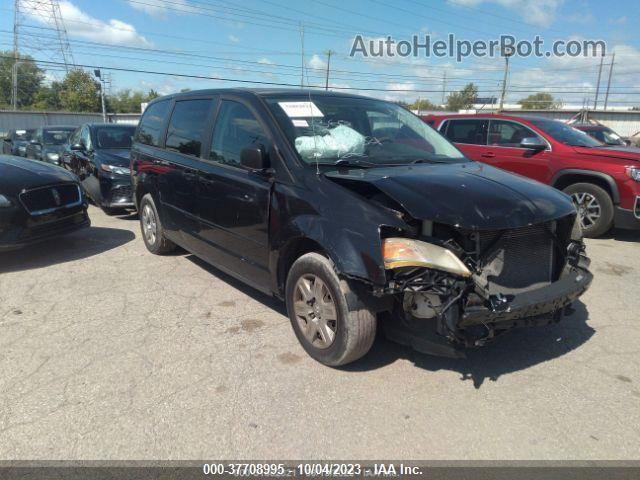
(294, 250)
(569, 179)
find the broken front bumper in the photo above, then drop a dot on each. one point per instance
(533, 303)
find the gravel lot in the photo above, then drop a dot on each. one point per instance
(109, 352)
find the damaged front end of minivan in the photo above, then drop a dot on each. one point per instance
(464, 269)
(470, 286)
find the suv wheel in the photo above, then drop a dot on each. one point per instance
(330, 321)
(152, 232)
(595, 208)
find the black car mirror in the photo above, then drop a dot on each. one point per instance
(533, 143)
(77, 147)
(254, 158)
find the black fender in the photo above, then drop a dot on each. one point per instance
(615, 194)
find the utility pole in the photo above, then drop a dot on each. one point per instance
(595, 103)
(507, 52)
(14, 70)
(326, 83)
(444, 85)
(104, 107)
(301, 55)
(606, 97)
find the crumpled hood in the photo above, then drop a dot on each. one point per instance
(626, 153)
(467, 195)
(115, 157)
(17, 174)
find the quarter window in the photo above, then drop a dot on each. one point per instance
(236, 128)
(466, 131)
(508, 134)
(188, 122)
(150, 129)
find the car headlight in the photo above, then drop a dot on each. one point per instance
(576, 231)
(114, 169)
(4, 202)
(634, 173)
(53, 157)
(22, 148)
(405, 252)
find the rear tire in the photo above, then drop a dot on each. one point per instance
(152, 231)
(333, 325)
(595, 208)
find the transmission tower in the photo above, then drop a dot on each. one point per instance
(39, 32)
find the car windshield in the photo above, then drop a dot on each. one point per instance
(363, 131)
(114, 137)
(56, 137)
(23, 135)
(563, 133)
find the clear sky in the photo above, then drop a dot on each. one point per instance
(260, 41)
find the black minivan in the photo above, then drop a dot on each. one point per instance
(357, 214)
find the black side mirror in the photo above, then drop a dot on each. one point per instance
(533, 143)
(254, 158)
(77, 147)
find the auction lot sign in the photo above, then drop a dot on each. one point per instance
(277, 469)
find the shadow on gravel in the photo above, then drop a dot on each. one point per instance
(514, 351)
(511, 352)
(632, 236)
(258, 296)
(75, 246)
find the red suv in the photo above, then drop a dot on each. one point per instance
(604, 182)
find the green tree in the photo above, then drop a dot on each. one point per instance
(464, 99)
(128, 101)
(539, 101)
(30, 78)
(48, 97)
(424, 104)
(79, 92)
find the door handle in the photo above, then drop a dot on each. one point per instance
(488, 155)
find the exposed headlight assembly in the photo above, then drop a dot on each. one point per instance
(114, 169)
(405, 252)
(4, 202)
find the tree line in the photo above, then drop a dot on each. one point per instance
(78, 91)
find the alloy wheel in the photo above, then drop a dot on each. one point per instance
(315, 311)
(589, 209)
(149, 224)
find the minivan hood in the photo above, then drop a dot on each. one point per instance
(18, 173)
(467, 195)
(626, 153)
(116, 157)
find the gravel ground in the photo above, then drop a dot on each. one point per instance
(109, 352)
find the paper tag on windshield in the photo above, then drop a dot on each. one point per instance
(300, 122)
(300, 109)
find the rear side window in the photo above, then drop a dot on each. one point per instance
(236, 128)
(466, 131)
(188, 121)
(150, 129)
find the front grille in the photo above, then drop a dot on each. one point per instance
(47, 199)
(518, 259)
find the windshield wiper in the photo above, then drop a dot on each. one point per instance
(354, 162)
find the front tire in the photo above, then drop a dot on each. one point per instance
(152, 231)
(595, 208)
(333, 325)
